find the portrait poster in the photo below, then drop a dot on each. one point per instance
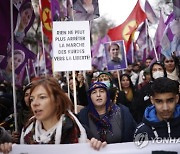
(21, 56)
(85, 9)
(21, 51)
(25, 19)
(5, 29)
(115, 55)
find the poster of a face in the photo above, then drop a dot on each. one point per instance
(21, 56)
(115, 55)
(25, 20)
(85, 9)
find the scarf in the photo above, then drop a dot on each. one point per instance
(103, 122)
(35, 134)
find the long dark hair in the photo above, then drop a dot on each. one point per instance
(160, 64)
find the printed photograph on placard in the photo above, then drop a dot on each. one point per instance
(115, 55)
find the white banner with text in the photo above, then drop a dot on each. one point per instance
(118, 148)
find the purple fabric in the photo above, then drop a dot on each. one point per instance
(32, 18)
(176, 8)
(141, 40)
(150, 13)
(98, 53)
(55, 10)
(159, 31)
(5, 30)
(130, 54)
(170, 18)
(28, 55)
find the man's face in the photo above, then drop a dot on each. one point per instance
(103, 77)
(148, 62)
(114, 51)
(165, 104)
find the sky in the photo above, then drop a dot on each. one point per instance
(119, 10)
(116, 10)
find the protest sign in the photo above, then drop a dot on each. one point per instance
(71, 46)
(85, 148)
(115, 55)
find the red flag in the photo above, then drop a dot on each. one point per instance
(45, 14)
(126, 29)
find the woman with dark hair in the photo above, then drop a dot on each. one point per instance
(172, 70)
(106, 121)
(129, 91)
(6, 73)
(157, 70)
(53, 121)
(24, 112)
(24, 18)
(115, 56)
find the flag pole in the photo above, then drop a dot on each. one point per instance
(27, 72)
(74, 92)
(119, 81)
(74, 82)
(13, 71)
(67, 78)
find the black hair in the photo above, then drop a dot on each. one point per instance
(158, 63)
(164, 85)
(25, 5)
(130, 81)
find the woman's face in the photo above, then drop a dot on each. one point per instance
(99, 97)
(71, 87)
(125, 82)
(26, 17)
(114, 51)
(18, 60)
(43, 107)
(26, 97)
(169, 64)
(157, 67)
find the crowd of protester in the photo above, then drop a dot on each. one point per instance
(112, 110)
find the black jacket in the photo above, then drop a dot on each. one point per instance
(155, 128)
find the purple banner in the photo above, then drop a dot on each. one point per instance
(5, 28)
(25, 20)
(85, 10)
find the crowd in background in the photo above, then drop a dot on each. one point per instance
(126, 94)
